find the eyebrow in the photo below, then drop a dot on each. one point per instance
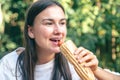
(49, 19)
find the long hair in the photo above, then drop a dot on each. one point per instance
(27, 59)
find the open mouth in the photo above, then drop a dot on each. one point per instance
(57, 41)
(54, 40)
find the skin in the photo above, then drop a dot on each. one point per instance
(47, 30)
(84, 55)
(101, 74)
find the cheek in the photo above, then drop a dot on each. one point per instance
(41, 36)
(44, 32)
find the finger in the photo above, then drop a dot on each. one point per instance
(80, 49)
(87, 58)
(90, 63)
(93, 64)
(83, 53)
(78, 52)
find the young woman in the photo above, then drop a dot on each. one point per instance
(41, 58)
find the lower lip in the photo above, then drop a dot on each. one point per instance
(55, 43)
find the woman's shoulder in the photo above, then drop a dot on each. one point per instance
(11, 56)
(8, 65)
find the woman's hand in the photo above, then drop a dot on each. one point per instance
(84, 55)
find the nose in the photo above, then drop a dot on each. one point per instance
(58, 29)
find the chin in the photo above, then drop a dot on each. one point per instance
(57, 51)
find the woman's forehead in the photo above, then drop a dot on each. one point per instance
(52, 12)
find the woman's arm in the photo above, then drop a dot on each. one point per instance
(84, 55)
(102, 74)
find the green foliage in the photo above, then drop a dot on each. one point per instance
(13, 15)
(6, 44)
(93, 24)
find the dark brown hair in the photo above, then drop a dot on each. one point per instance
(28, 58)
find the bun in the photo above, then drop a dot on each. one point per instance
(67, 48)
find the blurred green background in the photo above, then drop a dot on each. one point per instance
(93, 24)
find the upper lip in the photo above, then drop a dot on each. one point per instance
(56, 38)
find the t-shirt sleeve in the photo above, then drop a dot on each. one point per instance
(8, 66)
(5, 73)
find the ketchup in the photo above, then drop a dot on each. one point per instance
(60, 42)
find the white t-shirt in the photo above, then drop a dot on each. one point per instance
(42, 72)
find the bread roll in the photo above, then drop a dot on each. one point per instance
(67, 50)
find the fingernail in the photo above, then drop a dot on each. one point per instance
(80, 61)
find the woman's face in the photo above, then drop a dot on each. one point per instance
(49, 28)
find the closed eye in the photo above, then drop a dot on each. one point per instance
(48, 23)
(63, 23)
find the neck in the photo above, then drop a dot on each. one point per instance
(45, 57)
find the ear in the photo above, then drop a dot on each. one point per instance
(30, 32)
